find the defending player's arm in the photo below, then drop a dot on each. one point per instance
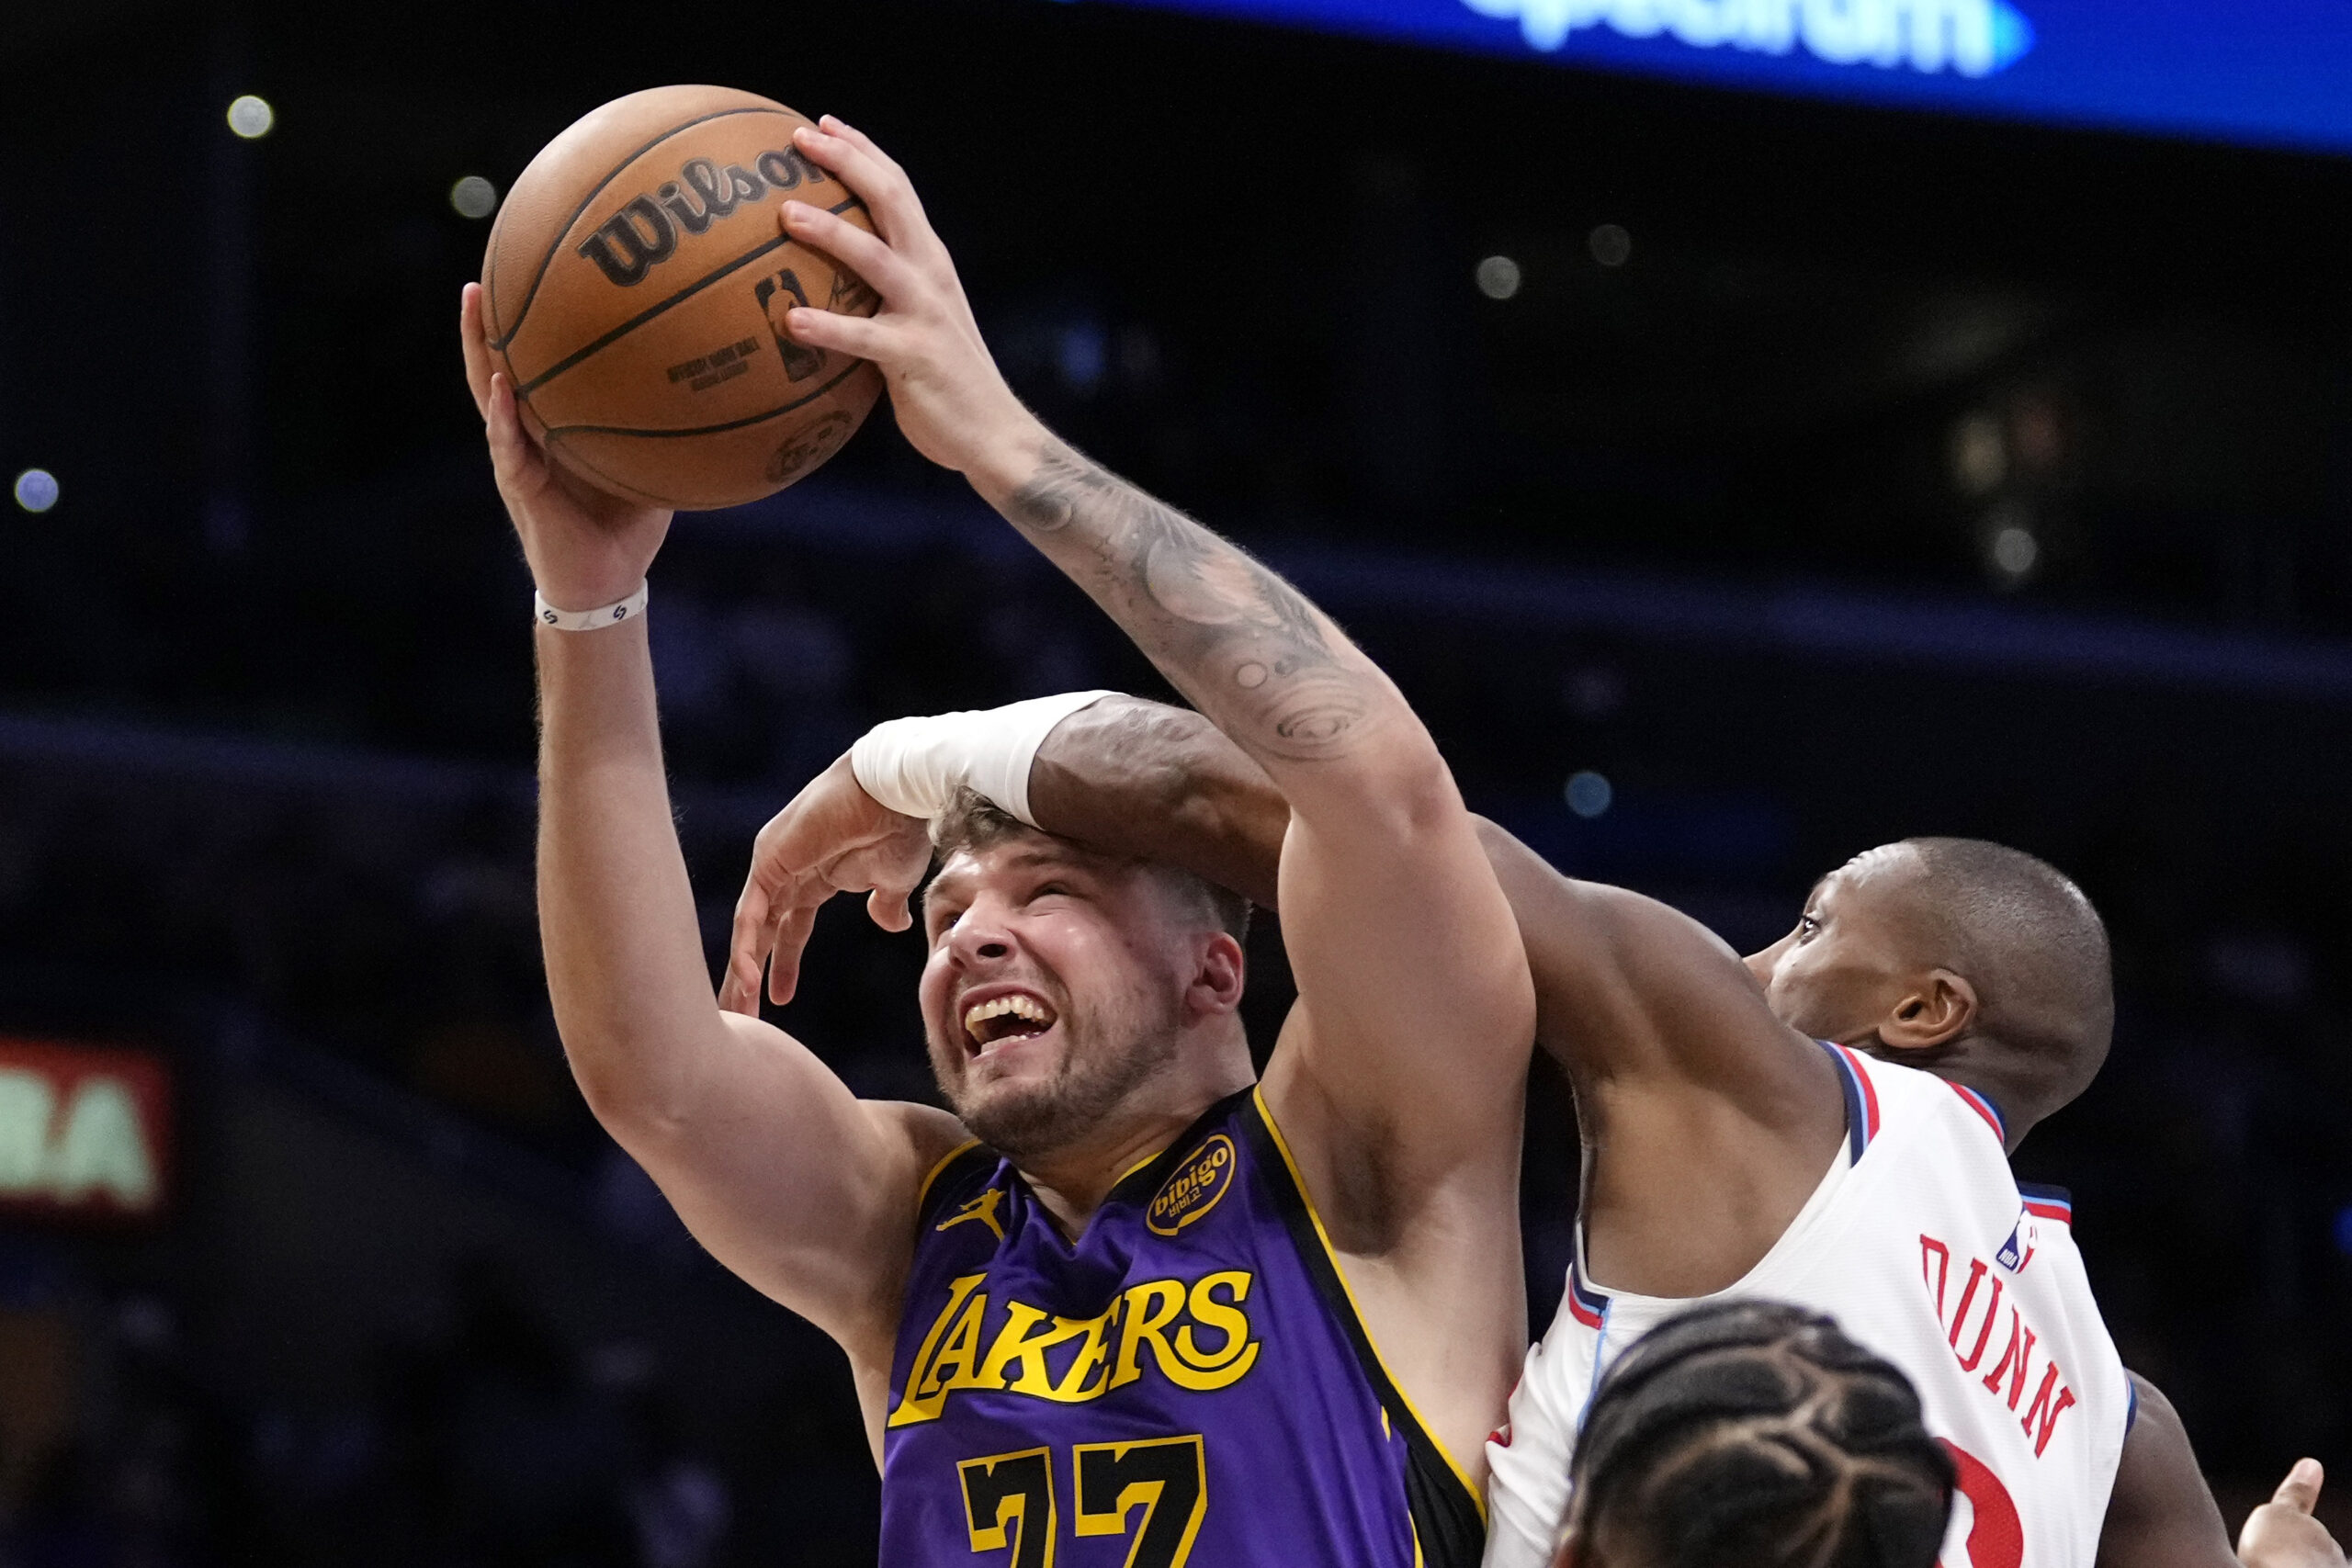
(1625, 986)
(785, 1176)
(1674, 1053)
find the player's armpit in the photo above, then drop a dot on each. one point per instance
(2161, 1514)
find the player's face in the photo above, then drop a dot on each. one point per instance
(1054, 987)
(1846, 962)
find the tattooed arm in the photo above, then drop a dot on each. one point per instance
(1398, 1080)
(1381, 854)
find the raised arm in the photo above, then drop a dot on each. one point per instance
(787, 1179)
(1420, 1009)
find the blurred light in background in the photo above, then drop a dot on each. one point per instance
(1081, 355)
(2343, 1230)
(1498, 277)
(2014, 550)
(1979, 457)
(1593, 692)
(1588, 794)
(251, 117)
(1612, 245)
(474, 197)
(36, 490)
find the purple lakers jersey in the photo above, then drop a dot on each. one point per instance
(1188, 1382)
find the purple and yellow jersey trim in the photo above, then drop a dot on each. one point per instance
(1189, 1382)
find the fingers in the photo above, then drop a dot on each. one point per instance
(864, 254)
(861, 337)
(475, 342)
(886, 906)
(2300, 1491)
(878, 182)
(512, 457)
(784, 963)
(834, 125)
(745, 946)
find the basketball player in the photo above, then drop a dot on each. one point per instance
(1729, 1150)
(1755, 1435)
(1163, 1312)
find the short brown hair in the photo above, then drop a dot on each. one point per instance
(973, 822)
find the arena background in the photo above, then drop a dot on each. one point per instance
(1830, 474)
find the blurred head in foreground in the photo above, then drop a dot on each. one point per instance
(1755, 1435)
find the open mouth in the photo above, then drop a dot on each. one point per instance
(1017, 1016)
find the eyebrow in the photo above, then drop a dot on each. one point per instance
(1026, 860)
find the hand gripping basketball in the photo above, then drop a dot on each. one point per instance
(584, 547)
(951, 401)
(832, 837)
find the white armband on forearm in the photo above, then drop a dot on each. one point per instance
(914, 766)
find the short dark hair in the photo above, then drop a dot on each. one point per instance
(2036, 950)
(973, 822)
(1756, 1435)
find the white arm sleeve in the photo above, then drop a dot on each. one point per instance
(1527, 1489)
(914, 766)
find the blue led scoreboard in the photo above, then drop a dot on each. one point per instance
(2272, 72)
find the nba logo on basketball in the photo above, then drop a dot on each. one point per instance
(2018, 1251)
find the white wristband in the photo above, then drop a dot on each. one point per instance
(914, 766)
(628, 609)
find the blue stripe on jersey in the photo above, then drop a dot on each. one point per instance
(1858, 1126)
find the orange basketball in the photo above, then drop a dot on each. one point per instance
(635, 293)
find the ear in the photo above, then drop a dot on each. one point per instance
(1935, 1010)
(1217, 976)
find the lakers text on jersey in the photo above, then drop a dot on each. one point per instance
(1188, 1382)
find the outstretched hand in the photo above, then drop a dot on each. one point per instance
(949, 397)
(585, 549)
(2283, 1534)
(832, 837)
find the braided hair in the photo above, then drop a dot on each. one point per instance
(1755, 1435)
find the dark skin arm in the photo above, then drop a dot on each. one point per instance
(2161, 1515)
(1674, 1057)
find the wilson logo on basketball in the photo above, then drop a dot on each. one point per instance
(644, 233)
(1195, 1188)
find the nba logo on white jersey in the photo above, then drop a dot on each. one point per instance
(2018, 1251)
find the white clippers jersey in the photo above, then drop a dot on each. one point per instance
(1922, 1246)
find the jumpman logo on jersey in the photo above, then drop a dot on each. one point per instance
(983, 1209)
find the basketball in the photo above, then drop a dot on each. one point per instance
(635, 292)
